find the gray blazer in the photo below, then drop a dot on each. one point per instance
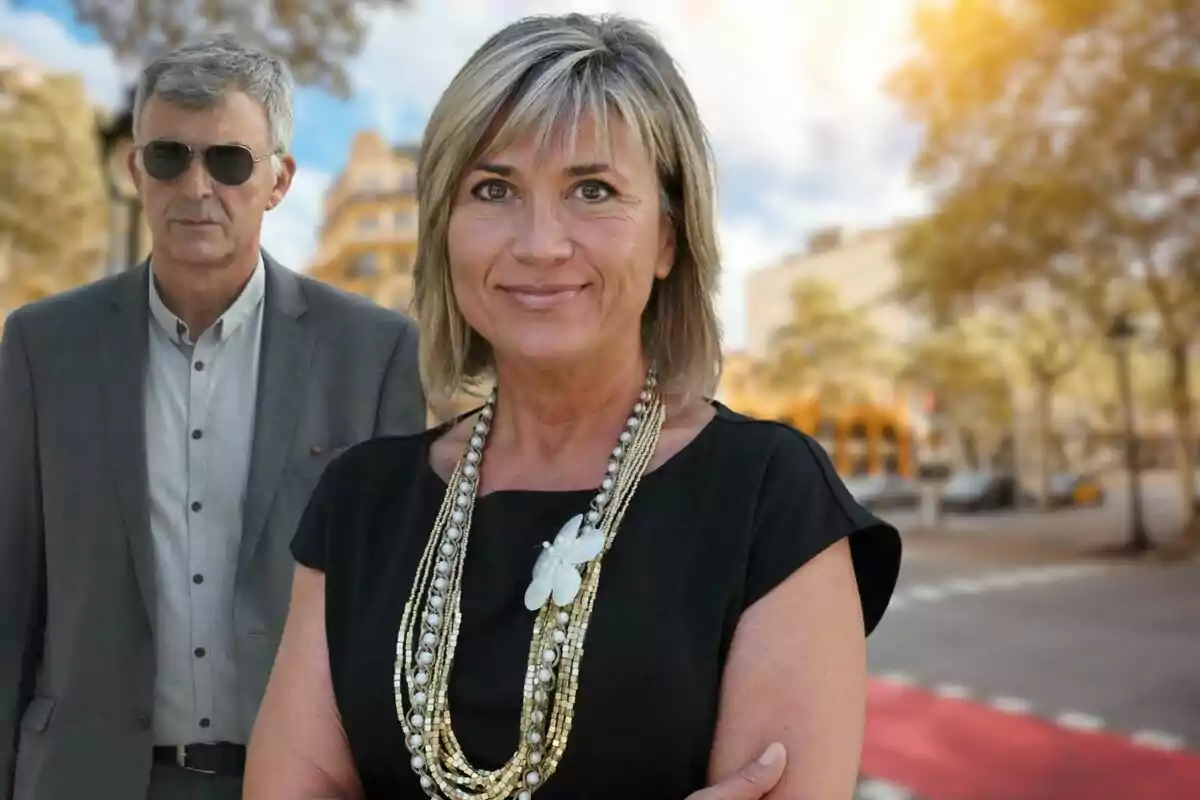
(76, 563)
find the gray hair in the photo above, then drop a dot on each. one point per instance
(549, 73)
(198, 75)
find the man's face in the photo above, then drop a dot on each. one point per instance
(206, 210)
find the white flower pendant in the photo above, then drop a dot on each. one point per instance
(556, 572)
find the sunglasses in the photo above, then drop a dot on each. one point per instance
(230, 164)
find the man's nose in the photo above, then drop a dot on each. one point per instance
(195, 182)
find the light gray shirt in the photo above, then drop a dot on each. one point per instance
(200, 401)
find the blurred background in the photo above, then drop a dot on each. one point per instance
(962, 250)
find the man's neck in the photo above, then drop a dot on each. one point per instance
(199, 295)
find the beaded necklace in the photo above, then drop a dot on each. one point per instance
(561, 595)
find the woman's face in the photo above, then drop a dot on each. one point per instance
(553, 252)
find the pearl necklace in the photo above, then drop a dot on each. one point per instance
(428, 634)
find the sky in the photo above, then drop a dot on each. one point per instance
(792, 95)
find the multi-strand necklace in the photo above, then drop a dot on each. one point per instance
(563, 591)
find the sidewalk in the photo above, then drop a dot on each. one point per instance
(1050, 541)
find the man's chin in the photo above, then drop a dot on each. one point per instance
(201, 257)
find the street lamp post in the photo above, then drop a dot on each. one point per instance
(116, 140)
(1122, 333)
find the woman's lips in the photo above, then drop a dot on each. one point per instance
(540, 298)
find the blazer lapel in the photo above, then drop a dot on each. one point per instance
(123, 352)
(283, 372)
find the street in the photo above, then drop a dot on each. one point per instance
(1004, 671)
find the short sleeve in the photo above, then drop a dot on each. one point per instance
(310, 545)
(804, 507)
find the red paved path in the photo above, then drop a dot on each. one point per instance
(943, 749)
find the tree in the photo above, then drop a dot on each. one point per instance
(315, 37)
(825, 349)
(1062, 140)
(956, 363)
(53, 210)
(1043, 341)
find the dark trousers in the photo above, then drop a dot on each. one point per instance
(170, 782)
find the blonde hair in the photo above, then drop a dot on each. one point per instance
(545, 74)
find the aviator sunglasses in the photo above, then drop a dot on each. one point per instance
(230, 164)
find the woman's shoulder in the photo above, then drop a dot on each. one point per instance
(382, 455)
(745, 440)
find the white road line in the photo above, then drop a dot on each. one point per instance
(1158, 740)
(926, 593)
(991, 581)
(898, 678)
(1011, 705)
(1078, 721)
(952, 691)
(1071, 720)
(881, 790)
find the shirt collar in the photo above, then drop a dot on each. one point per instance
(237, 313)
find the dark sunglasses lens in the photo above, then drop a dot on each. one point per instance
(229, 164)
(166, 161)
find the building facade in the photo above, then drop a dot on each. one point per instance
(368, 237)
(878, 436)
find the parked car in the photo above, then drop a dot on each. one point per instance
(980, 491)
(886, 491)
(1075, 489)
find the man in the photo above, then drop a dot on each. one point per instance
(160, 433)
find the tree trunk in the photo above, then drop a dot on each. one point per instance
(1185, 430)
(1045, 409)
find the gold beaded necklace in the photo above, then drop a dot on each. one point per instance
(428, 634)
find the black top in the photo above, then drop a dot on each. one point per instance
(715, 528)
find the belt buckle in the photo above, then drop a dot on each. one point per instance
(182, 760)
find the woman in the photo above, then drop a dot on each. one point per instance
(446, 581)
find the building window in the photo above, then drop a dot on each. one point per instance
(405, 222)
(406, 181)
(364, 265)
(368, 224)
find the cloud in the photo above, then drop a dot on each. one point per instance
(290, 230)
(45, 41)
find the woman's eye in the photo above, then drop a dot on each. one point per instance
(594, 191)
(490, 190)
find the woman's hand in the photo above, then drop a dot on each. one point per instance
(750, 782)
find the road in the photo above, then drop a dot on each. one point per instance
(1037, 675)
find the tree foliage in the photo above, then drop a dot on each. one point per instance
(1062, 139)
(825, 348)
(53, 210)
(315, 37)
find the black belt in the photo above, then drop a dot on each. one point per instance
(222, 758)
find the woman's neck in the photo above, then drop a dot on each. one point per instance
(544, 415)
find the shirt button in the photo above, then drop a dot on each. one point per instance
(198, 366)
(199, 651)
(205, 722)
(197, 505)
(142, 721)
(196, 434)
(197, 578)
